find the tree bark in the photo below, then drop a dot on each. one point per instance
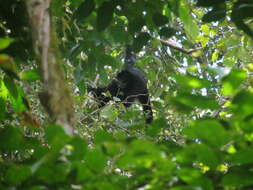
(55, 96)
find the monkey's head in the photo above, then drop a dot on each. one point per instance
(130, 58)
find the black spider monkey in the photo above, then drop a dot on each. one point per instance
(129, 85)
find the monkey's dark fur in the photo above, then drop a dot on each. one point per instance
(130, 85)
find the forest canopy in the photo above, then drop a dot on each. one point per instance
(196, 56)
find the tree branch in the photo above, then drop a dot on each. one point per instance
(172, 45)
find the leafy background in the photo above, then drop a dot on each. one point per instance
(201, 137)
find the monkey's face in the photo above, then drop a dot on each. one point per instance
(131, 59)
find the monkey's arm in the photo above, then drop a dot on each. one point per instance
(98, 93)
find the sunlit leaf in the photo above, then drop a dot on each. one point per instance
(11, 86)
(30, 75)
(189, 81)
(190, 25)
(5, 42)
(19, 103)
(232, 81)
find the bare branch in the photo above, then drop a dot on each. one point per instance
(172, 45)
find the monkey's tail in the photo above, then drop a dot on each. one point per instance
(147, 109)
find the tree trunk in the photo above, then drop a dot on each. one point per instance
(55, 96)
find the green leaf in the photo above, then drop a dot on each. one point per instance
(119, 34)
(16, 174)
(185, 187)
(189, 81)
(56, 137)
(202, 102)
(79, 148)
(198, 153)
(238, 179)
(106, 60)
(107, 185)
(96, 160)
(11, 86)
(141, 40)
(190, 25)
(54, 173)
(186, 102)
(2, 109)
(167, 32)
(242, 104)
(215, 15)
(209, 3)
(84, 10)
(156, 126)
(140, 153)
(195, 178)
(90, 65)
(244, 156)
(210, 132)
(232, 81)
(105, 15)
(102, 136)
(136, 25)
(11, 139)
(30, 76)
(19, 104)
(57, 8)
(241, 11)
(189, 175)
(159, 19)
(5, 42)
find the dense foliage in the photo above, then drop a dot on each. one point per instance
(197, 56)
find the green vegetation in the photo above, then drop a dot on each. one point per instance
(197, 56)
